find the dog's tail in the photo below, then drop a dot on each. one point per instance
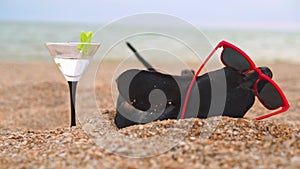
(140, 58)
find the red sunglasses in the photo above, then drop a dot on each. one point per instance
(269, 94)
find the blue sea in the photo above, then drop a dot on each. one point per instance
(25, 41)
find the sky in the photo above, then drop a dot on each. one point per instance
(263, 14)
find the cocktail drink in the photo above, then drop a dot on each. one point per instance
(72, 59)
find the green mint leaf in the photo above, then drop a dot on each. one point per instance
(85, 37)
(89, 36)
(58, 64)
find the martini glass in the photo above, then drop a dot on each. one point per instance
(72, 58)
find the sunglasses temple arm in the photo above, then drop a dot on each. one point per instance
(271, 114)
(193, 81)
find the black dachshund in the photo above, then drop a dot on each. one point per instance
(146, 96)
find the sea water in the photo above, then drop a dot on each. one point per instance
(25, 41)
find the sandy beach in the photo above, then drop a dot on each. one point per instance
(35, 132)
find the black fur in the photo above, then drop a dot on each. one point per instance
(135, 86)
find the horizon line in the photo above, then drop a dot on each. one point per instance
(247, 26)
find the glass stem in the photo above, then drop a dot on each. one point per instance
(72, 88)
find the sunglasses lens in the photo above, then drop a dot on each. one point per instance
(234, 59)
(269, 95)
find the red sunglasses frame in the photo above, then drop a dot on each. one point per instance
(285, 105)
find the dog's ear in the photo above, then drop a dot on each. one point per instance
(187, 72)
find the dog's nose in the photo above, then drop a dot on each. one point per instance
(265, 70)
